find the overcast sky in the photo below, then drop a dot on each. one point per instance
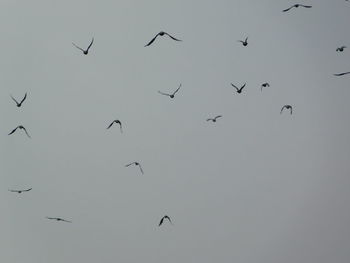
(256, 186)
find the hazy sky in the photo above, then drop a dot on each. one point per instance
(256, 186)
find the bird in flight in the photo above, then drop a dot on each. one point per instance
(162, 33)
(288, 107)
(19, 104)
(162, 220)
(118, 122)
(170, 95)
(340, 49)
(296, 6)
(59, 219)
(136, 164)
(20, 127)
(341, 74)
(239, 90)
(20, 191)
(86, 51)
(214, 119)
(264, 85)
(245, 42)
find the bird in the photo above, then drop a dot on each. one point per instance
(162, 220)
(341, 74)
(214, 119)
(162, 33)
(296, 6)
(118, 122)
(86, 51)
(288, 107)
(245, 42)
(170, 95)
(19, 104)
(20, 191)
(59, 219)
(20, 127)
(340, 49)
(239, 90)
(264, 85)
(137, 164)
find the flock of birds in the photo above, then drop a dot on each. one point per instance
(238, 89)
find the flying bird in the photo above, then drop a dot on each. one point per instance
(340, 49)
(86, 51)
(170, 95)
(162, 220)
(287, 107)
(20, 191)
(264, 85)
(136, 164)
(214, 119)
(162, 33)
(59, 219)
(239, 90)
(341, 74)
(20, 127)
(117, 122)
(245, 42)
(19, 104)
(296, 6)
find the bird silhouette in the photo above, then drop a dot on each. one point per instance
(214, 119)
(239, 90)
(341, 74)
(20, 191)
(19, 104)
(264, 85)
(170, 95)
(296, 6)
(118, 122)
(340, 49)
(161, 33)
(21, 128)
(245, 42)
(162, 220)
(59, 219)
(287, 107)
(136, 164)
(86, 51)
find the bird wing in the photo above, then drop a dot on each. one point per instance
(51, 217)
(14, 100)
(291, 110)
(177, 89)
(121, 128)
(25, 96)
(13, 130)
(14, 191)
(92, 41)
(110, 125)
(341, 74)
(246, 39)
(161, 221)
(78, 47)
(285, 10)
(219, 116)
(64, 220)
(167, 217)
(129, 164)
(243, 86)
(209, 119)
(152, 40)
(306, 6)
(234, 86)
(141, 169)
(26, 132)
(166, 94)
(27, 190)
(172, 37)
(283, 109)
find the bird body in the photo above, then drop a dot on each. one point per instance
(296, 6)
(85, 51)
(161, 33)
(136, 164)
(162, 220)
(20, 191)
(170, 95)
(21, 128)
(19, 104)
(117, 122)
(287, 107)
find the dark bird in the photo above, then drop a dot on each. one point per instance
(245, 42)
(214, 119)
(264, 85)
(20, 191)
(341, 74)
(296, 6)
(162, 33)
(239, 90)
(162, 220)
(170, 95)
(340, 49)
(137, 164)
(118, 122)
(19, 104)
(87, 50)
(288, 107)
(20, 127)
(59, 219)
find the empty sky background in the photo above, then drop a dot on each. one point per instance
(256, 186)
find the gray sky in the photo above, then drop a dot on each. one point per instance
(256, 186)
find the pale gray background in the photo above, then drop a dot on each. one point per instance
(256, 186)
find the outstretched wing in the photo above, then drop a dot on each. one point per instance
(219, 116)
(341, 74)
(13, 131)
(27, 190)
(78, 47)
(92, 41)
(209, 119)
(234, 86)
(26, 132)
(177, 89)
(152, 40)
(285, 10)
(110, 125)
(283, 109)
(306, 6)
(166, 94)
(243, 86)
(161, 221)
(127, 165)
(14, 100)
(172, 37)
(25, 96)
(246, 39)
(64, 220)
(141, 168)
